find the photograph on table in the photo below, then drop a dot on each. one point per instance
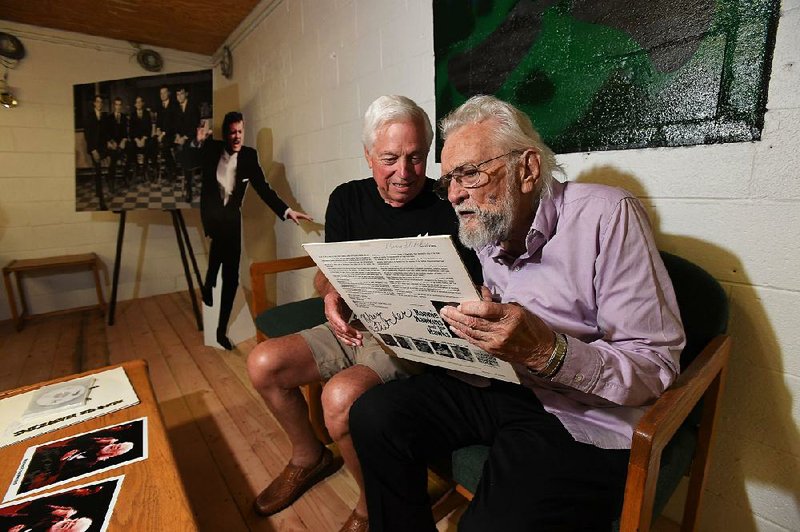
(131, 137)
(57, 462)
(84, 508)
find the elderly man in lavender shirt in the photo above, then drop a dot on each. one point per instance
(576, 298)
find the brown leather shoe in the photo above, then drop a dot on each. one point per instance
(355, 523)
(292, 482)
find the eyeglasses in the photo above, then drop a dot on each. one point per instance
(467, 175)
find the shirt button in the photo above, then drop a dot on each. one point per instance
(578, 378)
(517, 268)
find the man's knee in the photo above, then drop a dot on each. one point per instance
(279, 362)
(339, 394)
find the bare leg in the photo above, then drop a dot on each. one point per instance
(277, 367)
(338, 395)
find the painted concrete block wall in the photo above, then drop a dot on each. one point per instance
(37, 176)
(310, 68)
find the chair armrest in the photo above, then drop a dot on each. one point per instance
(659, 424)
(656, 428)
(258, 270)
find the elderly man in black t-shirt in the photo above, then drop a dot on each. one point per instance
(398, 201)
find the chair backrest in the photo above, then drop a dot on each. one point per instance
(702, 302)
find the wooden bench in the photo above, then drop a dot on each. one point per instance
(60, 264)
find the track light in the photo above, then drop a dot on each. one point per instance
(7, 100)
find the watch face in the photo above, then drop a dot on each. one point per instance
(11, 47)
(60, 395)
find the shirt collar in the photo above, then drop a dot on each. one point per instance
(229, 156)
(542, 229)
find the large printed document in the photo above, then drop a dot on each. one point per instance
(396, 287)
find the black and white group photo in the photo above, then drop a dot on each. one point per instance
(131, 137)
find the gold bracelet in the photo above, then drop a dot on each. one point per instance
(556, 359)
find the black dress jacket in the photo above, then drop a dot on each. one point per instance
(224, 221)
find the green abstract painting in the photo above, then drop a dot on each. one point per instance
(612, 74)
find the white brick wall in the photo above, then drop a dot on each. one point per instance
(37, 176)
(310, 69)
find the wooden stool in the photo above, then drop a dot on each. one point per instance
(64, 262)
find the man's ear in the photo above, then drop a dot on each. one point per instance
(367, 157)
(530, 170)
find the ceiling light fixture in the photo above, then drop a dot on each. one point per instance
(11, 53)
(7, 99)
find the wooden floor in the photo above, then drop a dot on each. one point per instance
(226, 443)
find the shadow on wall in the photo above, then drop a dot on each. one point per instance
(259, 223)
(755, 449)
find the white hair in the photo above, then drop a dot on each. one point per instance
(393, 108)
(514, 131)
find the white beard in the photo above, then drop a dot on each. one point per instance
(492, 226)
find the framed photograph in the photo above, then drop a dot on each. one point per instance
(131, 137)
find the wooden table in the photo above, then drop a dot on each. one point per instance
(152, 497)
(61, 263)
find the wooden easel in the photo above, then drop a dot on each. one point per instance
(182, 237)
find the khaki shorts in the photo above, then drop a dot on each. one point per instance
(332, 356)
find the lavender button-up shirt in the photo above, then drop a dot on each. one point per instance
(592, 272)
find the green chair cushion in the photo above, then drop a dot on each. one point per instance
(291, 317)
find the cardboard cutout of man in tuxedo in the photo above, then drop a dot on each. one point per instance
(228, 167)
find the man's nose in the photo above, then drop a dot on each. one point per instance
(404, 167)
(456, 193)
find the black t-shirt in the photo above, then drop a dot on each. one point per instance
(356, 211)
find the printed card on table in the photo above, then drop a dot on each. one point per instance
(84, 508)
(52, 407)
(57, 462)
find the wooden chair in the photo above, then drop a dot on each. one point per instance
(672, 439)
(674, 436)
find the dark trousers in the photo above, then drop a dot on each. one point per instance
(115, 156)
(224, 252)
(98, 182)
(537, 476)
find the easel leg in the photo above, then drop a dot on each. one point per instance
(11, 299)
(189, 247)
(112, 305)
(192, 294)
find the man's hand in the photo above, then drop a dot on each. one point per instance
(296, 216)
(506, 330)
(203, 132)
(337, 312)
(96, 156)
